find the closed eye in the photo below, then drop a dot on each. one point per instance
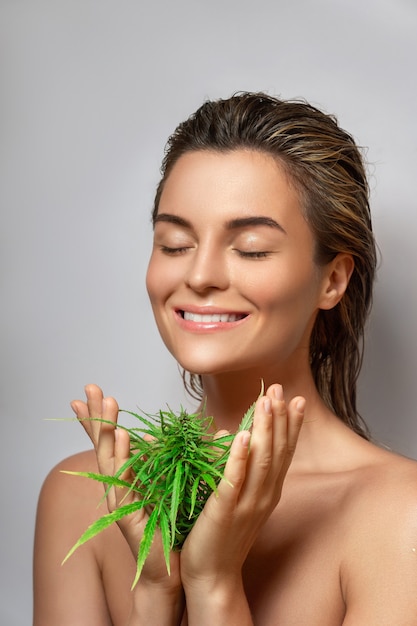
(174, 251)
(256, 254)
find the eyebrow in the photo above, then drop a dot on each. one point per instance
(171, 219)
(234, 224)
(254, 220)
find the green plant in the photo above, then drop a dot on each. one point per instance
(175, 469)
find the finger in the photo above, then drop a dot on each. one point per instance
(296, 409)
(103, 432)
(81, 411)
(221, 433)
(280, 428)
(220, 446)
(287, 422)
(121, 456)
(261, 450)
(95, 408)
(94, 400)
(235, 471)
(131, 525)
(121, 451)
(105, 448)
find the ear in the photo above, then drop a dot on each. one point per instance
(336, 276)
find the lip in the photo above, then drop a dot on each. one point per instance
(208, 319)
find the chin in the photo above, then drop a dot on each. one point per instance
(202, 370)
(195, 366)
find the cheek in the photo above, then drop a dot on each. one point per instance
(158, 277)
(286, 291)
(157, 294)
(162, 279)
(150, 280)
(157, 287)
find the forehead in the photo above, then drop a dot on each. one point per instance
(210, 190)
(244, 177)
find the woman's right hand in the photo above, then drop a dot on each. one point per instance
(112, 447)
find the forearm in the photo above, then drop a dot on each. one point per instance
(223, 603)
(151, 605)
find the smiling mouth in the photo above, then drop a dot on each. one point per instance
(212, 318)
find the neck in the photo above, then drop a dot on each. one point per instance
(229, 395)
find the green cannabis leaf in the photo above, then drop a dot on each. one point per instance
(175, 469)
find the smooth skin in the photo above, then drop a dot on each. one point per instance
(320, 526)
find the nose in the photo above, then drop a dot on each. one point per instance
(208, 269)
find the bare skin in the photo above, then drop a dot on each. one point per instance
(320, 526)
(339, 548)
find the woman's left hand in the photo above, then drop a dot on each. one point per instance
(219, 543)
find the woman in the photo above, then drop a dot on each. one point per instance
(262, 268)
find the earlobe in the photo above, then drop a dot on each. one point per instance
(336, 280)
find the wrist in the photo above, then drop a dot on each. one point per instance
(221, 601)
(157, 603)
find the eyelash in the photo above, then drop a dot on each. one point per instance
(173, 251)
(242, 253)
(252, 255)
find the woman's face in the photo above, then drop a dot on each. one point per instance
(231, 279)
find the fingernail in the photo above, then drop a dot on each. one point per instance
(300, 405)
(267, 405)
(245, 439)
(73, 408)
(278, 392)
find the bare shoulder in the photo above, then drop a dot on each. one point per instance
(385, 476)
(379, 570)
(383, 493)
(79, 462)
(67, 506)
(74, 493)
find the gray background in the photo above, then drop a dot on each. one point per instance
(89, 93)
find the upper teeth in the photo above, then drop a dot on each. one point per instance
(215, 317)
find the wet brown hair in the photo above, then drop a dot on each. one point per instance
(326, 167)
